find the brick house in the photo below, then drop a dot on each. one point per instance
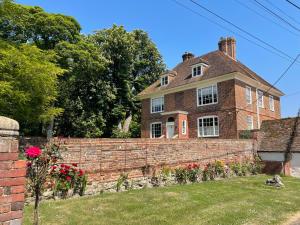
(213, 95)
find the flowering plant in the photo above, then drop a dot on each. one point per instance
(39, 162)
(192, 172)
(68, 177)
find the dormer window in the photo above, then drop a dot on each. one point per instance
(164, 80)
(197, 70)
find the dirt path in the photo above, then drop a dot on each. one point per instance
(293, 220)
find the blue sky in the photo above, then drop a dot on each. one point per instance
(176, 30)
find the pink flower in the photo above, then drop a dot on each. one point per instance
(33, 152)
(68, 178)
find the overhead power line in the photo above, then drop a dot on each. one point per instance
(243, 30)
(282, 11)
(266, 18)
(294, 4)
(276, 15)
(231, 31)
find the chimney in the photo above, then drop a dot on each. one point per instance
(228, 46)
(187, 56)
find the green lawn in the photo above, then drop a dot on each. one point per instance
(243, 200)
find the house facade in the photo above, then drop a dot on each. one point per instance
(213, 95)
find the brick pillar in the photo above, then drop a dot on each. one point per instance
(12, 174)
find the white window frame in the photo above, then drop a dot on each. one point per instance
(252, 124)
(162, 107)
(206, 117)
(271, 103)
(211, 86)
(164, 80)
(262, 99)
(151, 129)
(248, 89)
(183, 128)
(196, 66)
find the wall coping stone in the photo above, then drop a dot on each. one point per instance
(8, 127)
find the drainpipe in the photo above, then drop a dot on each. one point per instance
(257, 110)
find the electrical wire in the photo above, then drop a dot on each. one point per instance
(296, 6)
(243, 30)
(276, 15)
(231, 31)
(266, 18)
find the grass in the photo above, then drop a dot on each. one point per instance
(244, 200)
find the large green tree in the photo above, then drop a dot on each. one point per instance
(85, 91)
(28, 85)
(134, 63)
(24, 24)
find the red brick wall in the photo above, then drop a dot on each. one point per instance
(12, 181)
(106, 159)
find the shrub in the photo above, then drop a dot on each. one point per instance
(236, 168)
(209, 172)
(123, 178)
(256, 166)
(166, 172)
(192, 172)
(68, 178)
(220, 168)
(181, 175)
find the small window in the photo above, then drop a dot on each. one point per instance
(250, 122)
(157, 104)
(156, 130)
(260, 99)
(248, 95)
(208, 126)
(164, 80)
(183, 126)
(271, 103)
(207, 95)
(197, 70)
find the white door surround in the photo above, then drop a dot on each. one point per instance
(170, 129)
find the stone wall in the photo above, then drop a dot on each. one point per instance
(12, 174)
(105, 159)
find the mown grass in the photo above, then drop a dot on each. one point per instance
(244, 200)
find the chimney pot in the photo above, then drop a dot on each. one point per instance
(228, 46)
(187, 56)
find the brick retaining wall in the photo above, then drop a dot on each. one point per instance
(12, 179)
(105, 159)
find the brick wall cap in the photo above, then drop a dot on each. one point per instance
(8, 127)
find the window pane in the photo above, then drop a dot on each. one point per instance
(158, 104)
(208, 95)
(156, 130)
(208, 127)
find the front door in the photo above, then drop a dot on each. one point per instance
(170, 129)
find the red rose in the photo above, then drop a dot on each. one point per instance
(33, 152)
(28, 164)
(68, 178)
(74, 164)
(62, 165)
(81, 173)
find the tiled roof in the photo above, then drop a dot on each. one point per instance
(275, 135)
(218, 64)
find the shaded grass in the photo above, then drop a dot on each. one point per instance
(244, 200)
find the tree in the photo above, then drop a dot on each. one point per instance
(85, 90)
(28, 85)
(134, 63)
(24, 24)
